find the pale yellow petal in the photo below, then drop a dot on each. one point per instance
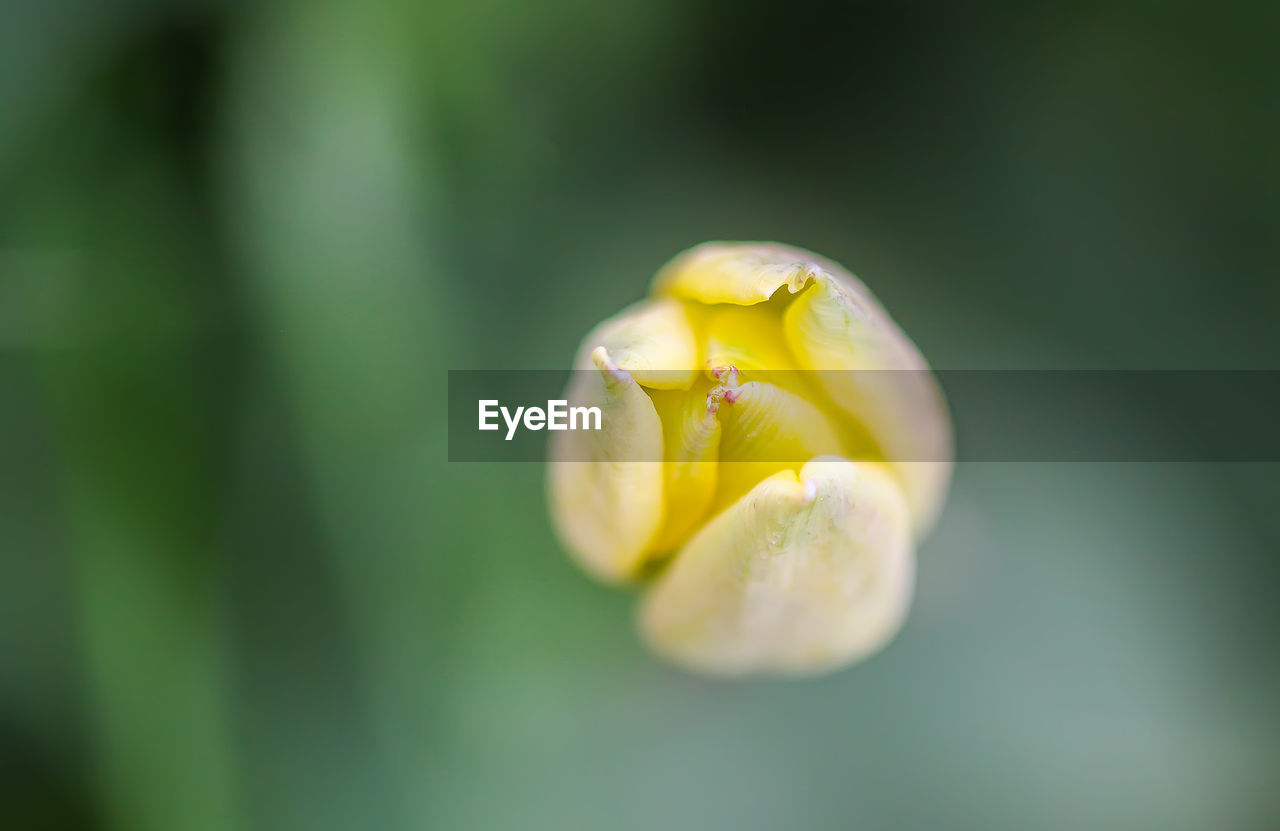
(767, 429)
(605, 486)
(691, 443)
(837, 326)
(743, 273)
(802, 575)
(654, 340)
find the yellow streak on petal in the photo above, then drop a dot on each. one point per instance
(691, 442)
(839, 326)
(749, 338)
(802, 575)
(605, 486)
(654, 340)
(743, 273)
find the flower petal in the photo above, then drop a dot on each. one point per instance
(654, 340)
(838, 326)
(768, 429)
(744, 273)
(605, 493)
(691, 443)
(749, 339)
(802, 575)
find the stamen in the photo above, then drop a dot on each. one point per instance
(714, 397)
(726, 375)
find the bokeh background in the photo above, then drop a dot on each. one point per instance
(241, 244)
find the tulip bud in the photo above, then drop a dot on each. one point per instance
(767, 488)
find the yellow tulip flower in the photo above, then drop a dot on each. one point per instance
(766, 489)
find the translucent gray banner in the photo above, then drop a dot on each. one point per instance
(997, 415)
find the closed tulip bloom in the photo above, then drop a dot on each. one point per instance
(764, 487)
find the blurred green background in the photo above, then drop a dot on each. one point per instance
(241, 244)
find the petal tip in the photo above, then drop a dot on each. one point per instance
(607, 366)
